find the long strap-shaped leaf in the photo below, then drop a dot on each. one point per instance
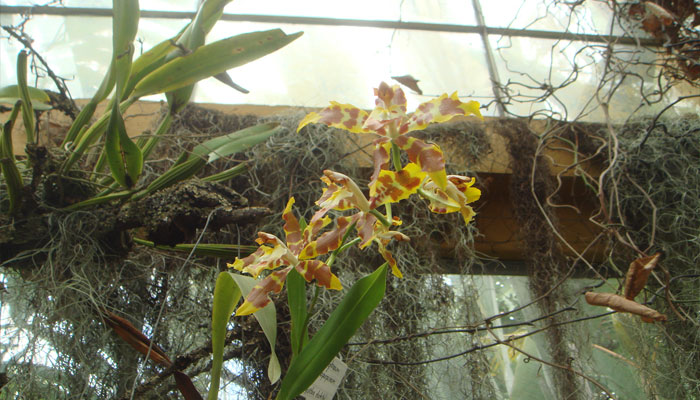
(13, 179)
(27, 110)
(40, 100)
(296, 298)
(123, 155)
(209, 151)
(211, 60)
(226, 295)
(350, 314)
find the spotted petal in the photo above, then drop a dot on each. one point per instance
(358, 198)
(390, 109)
(442, 109)
(259, 295)
(328, 241)
(334, 197)
(386, 254)
(427, 155)
(316, 269)
(394, 186)
(381, 156)
(265, 257)
(292, 229)
(337, 115)
(457, 194)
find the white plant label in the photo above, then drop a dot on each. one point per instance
(327, 383)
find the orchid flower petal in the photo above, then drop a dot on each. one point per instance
(265, 257)
(427, 155)
(334, 197)
(442, 109)
(292, 229)
(386, 254)
(316, 269)
(457, 194)
(381, 156)
(358, 199)
(390, 109)
(328, 241)
(394, 186)
(366, 224)
(337, 115)
(259, 296)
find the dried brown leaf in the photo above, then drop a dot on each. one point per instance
(186, 387)
(127, 331)
(664, 16)
(408, 81)
(621, 304)
(638, 273)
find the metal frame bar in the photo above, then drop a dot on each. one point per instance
(283, 19)
(490, 61)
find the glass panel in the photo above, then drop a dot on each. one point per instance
(327, 63)
(167, 5)
(75, 50)
(566, 79)
(442, 11)
(345, 63)
(588, 17)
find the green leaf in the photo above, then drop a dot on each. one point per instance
(40, 100)
(80, 121)
(211, 60)
(86, 137)
(207, 15)
(226, 296)
(296, 298)
(27, 110)
(100, 200)
(204, 249)
(223, 146)
(13, 179)
(267, 318)
(350, 314)
(172, 176)
(123, 155)
(227, 292)
(209, 151)
(150, 61)
(125, 24)
(226, 175)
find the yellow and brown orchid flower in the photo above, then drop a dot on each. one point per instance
(456, 196)
(298, 253)
(390, 121)
(342, 193)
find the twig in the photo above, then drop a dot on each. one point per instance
(551, 364)
(70, 108)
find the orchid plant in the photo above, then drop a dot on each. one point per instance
(370, 219)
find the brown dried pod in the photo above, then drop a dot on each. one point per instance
(638, 273)
(621, 304)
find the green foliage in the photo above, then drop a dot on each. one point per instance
(226, 295)
(296, 297)
(172, 65)
(10, 171)
(353, 310)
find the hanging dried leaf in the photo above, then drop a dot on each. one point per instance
(135, 338)
(408, 81)
(638, 273)
(664, 16)
(621, 304)
(186, 387)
